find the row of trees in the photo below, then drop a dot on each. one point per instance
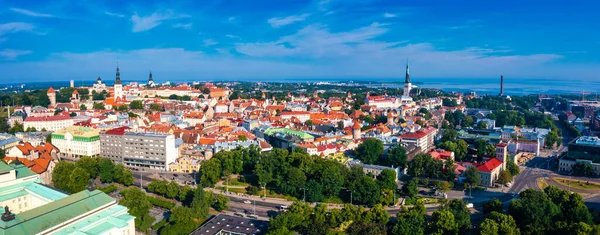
(73, 177)
(552, 211)
(298, 174)
(371, 151)
(452, 218)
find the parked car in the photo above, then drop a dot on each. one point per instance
(470, 205)
(247, 202)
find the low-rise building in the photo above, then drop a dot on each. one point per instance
(75, 142)
(489, 172)
(582, 149)
(31, 208)
(52, 123)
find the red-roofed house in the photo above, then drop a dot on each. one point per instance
(40, 159)
(489, 172)
(442, 155)
(52, 123)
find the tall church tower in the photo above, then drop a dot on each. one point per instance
(407, 84)
(150, 80)
(118, 84)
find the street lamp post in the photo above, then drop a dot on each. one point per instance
(350, 197)
(265, 189)
(304, 195)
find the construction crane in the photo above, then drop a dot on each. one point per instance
(583, 93)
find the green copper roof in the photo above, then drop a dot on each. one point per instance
(4, 167)
(22, 171)
(49, 215)
(301, 134)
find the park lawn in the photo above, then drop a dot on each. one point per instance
(235, 190)
(426, 200)
(579, 184)
(236, 182)
(541, 183)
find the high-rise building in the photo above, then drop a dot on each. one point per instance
(138, 149)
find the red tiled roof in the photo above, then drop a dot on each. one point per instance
(49, 118)
(416, 135)
(117, 131)
(51, 90)
(490, 165)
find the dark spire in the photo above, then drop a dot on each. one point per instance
(150, 76)
(7, 215)
(118, 79)
(407, 78)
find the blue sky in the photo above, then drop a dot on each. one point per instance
(271, 40)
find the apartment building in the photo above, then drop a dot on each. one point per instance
(138, 149)
(75, 142)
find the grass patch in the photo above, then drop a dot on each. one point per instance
(235, 190)
(237, 182)
(579, 184)
(541, 183)
(426, 200)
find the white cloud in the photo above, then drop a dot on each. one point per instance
(231, 18)
(278, 22)
(30, 13)
(209, 42)
(389, 15)
(114, 14)
(232, 36)
(15, 27)
(145, 23)
(183, 26)
(11, 54)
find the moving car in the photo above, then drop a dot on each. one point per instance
(247, 202)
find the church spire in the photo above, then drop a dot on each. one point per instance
(150, 76)
(118, 75)
(407, 78)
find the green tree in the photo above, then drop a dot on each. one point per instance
(513, 168)
(468, 121)
(488, 227)
(314, 191)
(534, 212)
(411, 221)
(172, 190)
(505, 177)
(136, 201)
(410, 189)
(377, 215)
(242, 138)
(89, 164)
(211, 172)
(462, 215)
(221, 203)
(78, 179)
(472, 177)
(387, 180)
(181, 221)
(444, 186)
(482, 125)
(122, 108)
(186, 194)
(61, 175)
(449, 135)
(156, 107)
(505, 223)
(105, 170)
(99, 106)
(366, 191)
(397, 156)
(136, 104)
(122, 175)
(443, 223)
(369, 150)
(491, 206)
(200, 204)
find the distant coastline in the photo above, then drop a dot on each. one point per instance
(480, 86)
